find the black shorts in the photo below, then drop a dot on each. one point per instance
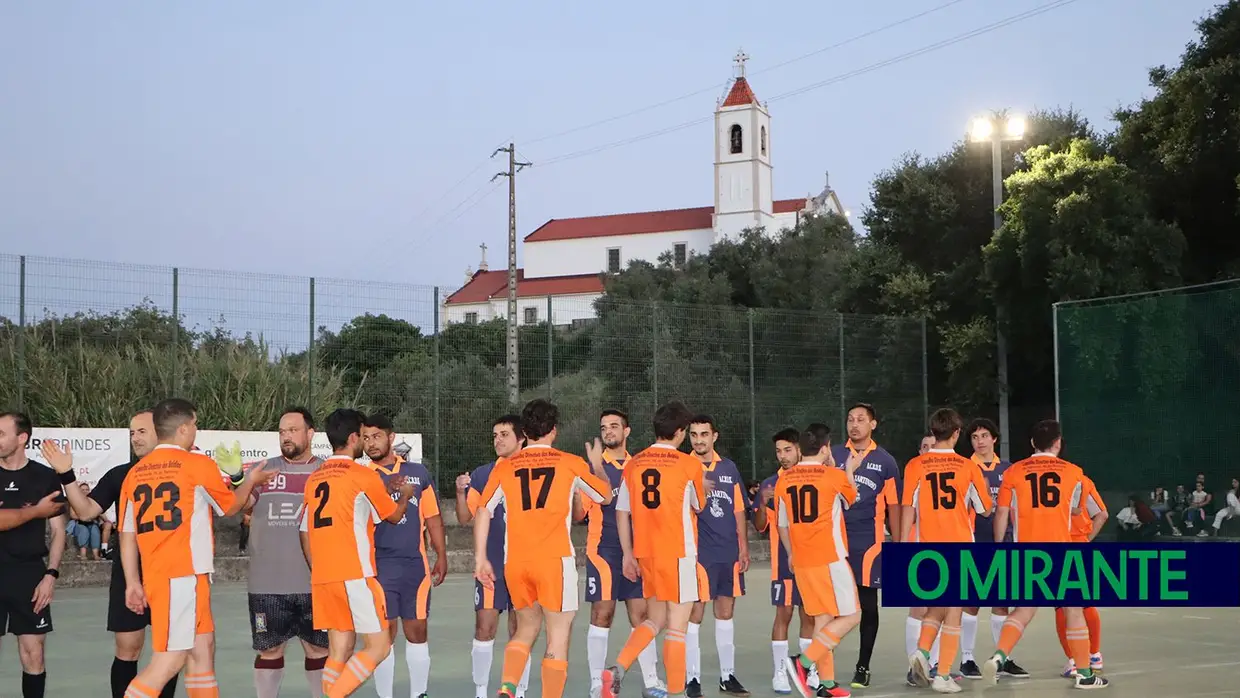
(18, 580)
(277, 618)
(120, 618)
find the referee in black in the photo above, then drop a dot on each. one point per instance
(26, 580)
(129, 628)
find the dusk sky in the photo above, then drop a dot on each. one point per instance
(317, 138)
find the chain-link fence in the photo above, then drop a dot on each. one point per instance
(85, 344)
(1147, 387)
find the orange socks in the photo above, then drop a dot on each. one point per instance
(1078, 643)
(331, 673)
(139, 690)
(201, 686)
(674, 658)
(929, 631)
(359, 668)
(822, 653)
(516, 654)
(949, 642)
(1009, 636)
(1094, 622)
(641, 636)
(1061, 627)
(554, 675)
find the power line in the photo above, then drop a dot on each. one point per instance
(930, 48)
(718, 86)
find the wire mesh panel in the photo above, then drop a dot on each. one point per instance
(1148, 388)
(12, 350)
(882, 366)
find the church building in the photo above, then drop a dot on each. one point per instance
(566, 259)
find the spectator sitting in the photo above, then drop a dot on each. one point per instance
(1179, 504)
(1137, 521)
(86, 533)
(1195, 514)
(1160, 502)
(1232, 508)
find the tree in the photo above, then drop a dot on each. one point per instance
(1077, 225)
(1184, 143)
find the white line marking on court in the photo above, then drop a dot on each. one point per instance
(1145, 613)
(1196, 618)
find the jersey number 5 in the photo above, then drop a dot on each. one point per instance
(942, 491)
(169, 495)
(529, 477)
(1045, 489)
(323, 492)
(804, 503)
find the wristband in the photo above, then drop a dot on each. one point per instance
(55, 574)
(237, 480)
(67, 478)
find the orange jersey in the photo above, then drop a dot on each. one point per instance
(946, 490)
(167, 500)
(343, 501)
(1083, 521)
(810, 501)
(536, 486)
(1041, 493)
(661, 489)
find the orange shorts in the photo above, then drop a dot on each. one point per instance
(180, 611)
(675, 580)
(549, 582)
(354, 605)
(827, 590)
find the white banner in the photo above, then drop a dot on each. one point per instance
(261, 445)
(95, 451)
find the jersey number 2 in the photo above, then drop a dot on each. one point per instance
(942, 491)
(170, 496)
(1045, 489)
(530, 476)
(324, 493)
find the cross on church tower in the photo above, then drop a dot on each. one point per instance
(482, 266)
(740, 59)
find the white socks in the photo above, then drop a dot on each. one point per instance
(725, 645)
(524, 683)
(996, 626)
(480, 660)
(648, 660)
(779, 653)
(418, 659)
(596, 653)
(385, 675)
(693, 652)
(804, 643)
(912, 633)
(968, 637)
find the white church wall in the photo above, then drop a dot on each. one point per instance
(589, 255)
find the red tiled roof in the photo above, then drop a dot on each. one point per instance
(639, 223)
(486, 285)
(740, 94)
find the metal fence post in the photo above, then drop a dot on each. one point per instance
(550, 354)
(310, 354)
(1055, 340)
(21, 334)
(176, 331)
(843, 397)
(925, 376)
(654, 351)
(753, 407)
(436, 400)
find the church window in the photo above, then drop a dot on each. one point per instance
(531, 315)
(762, 135)
(680, 252)
(613, 260)
(471, 318)
(736, 137)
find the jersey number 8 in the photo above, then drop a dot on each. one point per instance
(169, 495)
(651, 496)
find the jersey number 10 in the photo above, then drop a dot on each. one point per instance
(804, 501)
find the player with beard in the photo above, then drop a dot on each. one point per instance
(400, 556)
(877, 509)
(279, 579)
(128, 628)
(605, 580)
(27, 582)
(507, 437)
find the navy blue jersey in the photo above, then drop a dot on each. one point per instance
(405, 540)
(780, 570)
(495, 535)
(878, 486)
(601, 533)
(718, 539)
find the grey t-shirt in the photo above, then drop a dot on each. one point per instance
(277, 564)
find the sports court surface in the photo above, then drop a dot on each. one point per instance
(1156, 652)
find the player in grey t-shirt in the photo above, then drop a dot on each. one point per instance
(279, 580)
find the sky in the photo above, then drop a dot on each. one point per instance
(351, 140)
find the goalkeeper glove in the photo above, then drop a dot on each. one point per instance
(229, 462)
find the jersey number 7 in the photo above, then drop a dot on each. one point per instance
(543, 477)
(169, 495)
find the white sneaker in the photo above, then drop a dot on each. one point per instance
(1095, 661)
(1069, 670)
(920, 668)
(813, 679)
(596, 690)
(780, 683)
(1203, 534)
(945, 684)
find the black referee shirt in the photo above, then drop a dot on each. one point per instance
(107, 493)
(19, 488)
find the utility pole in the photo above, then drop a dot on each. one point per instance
(513, 168)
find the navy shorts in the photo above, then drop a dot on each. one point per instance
(723, 579)
(605, 580)
(866, 561)
(407, 591)
(784, 593)
(495, 599)
(984, 530)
